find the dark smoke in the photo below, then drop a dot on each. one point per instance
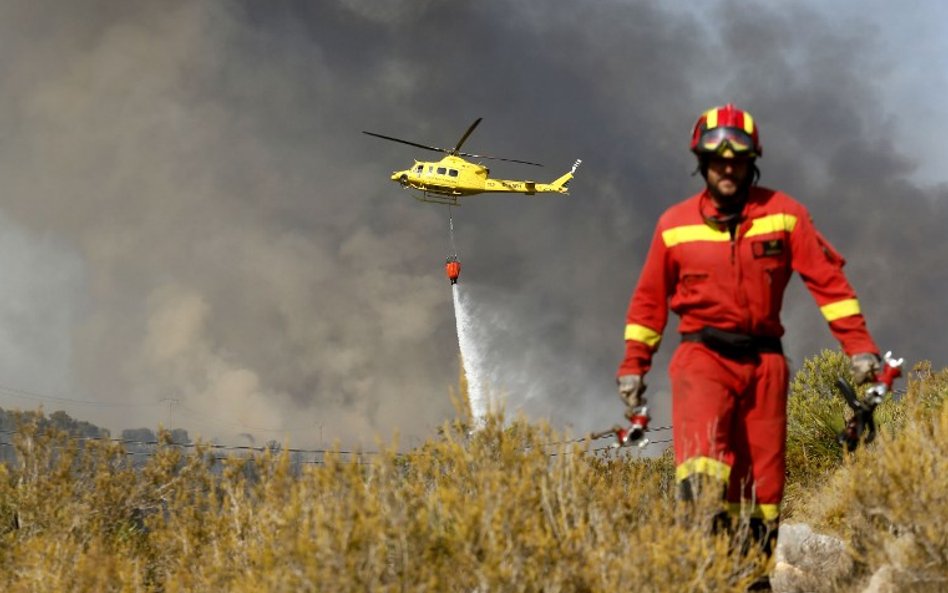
(201, 219)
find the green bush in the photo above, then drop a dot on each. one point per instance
(888, 501)
(817, 412)
(815, 415)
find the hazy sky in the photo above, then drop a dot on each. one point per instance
(190, 212)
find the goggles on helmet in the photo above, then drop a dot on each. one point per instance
(718, 140)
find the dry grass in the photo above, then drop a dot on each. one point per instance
(490, 511)
(889, 501)
(499, 509)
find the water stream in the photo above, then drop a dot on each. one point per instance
(472, 357)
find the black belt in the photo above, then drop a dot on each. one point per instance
(734, 345)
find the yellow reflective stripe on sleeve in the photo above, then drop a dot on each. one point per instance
(768, 512)
(840, 309)
(640, 333)
(703, 465)
(712, 118)
(693, 232)
(773, 223)
(748, 123)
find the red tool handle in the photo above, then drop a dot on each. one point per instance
(891, 371)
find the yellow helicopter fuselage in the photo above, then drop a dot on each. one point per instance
(453, 177)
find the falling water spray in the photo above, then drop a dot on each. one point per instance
(472, 357)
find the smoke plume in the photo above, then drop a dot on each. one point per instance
(191, 217)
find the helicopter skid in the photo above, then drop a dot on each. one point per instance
(437, 199)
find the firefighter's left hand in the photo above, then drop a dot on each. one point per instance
(865, 366)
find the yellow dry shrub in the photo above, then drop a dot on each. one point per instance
(501, 508)
(511, 506)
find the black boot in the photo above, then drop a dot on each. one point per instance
(761, 584)
(761, 535)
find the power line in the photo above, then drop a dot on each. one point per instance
(261, 449)
(23, 394)
(589, 438)
(174, 402)
(214, 446)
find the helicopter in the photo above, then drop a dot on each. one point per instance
(444, 181)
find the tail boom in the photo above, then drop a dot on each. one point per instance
(558, 186)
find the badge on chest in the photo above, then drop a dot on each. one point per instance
(767, 248)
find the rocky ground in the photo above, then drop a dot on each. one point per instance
(810, 562)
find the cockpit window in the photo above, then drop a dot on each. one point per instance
(419, 168)
(453, 172)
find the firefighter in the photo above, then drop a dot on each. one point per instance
(721, 260)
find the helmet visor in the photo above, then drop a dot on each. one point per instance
(720, 139)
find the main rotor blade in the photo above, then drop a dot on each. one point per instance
(415, 144)
(466, 134)
(455, 151)
(497, 158)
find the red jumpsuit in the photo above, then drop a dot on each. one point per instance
(730, 414)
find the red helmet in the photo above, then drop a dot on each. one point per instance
(726, 131)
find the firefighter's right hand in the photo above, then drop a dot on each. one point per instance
(631, 388)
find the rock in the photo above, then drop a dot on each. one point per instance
(882, 581)
(808, 562)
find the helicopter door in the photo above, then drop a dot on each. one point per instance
(443, 179)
